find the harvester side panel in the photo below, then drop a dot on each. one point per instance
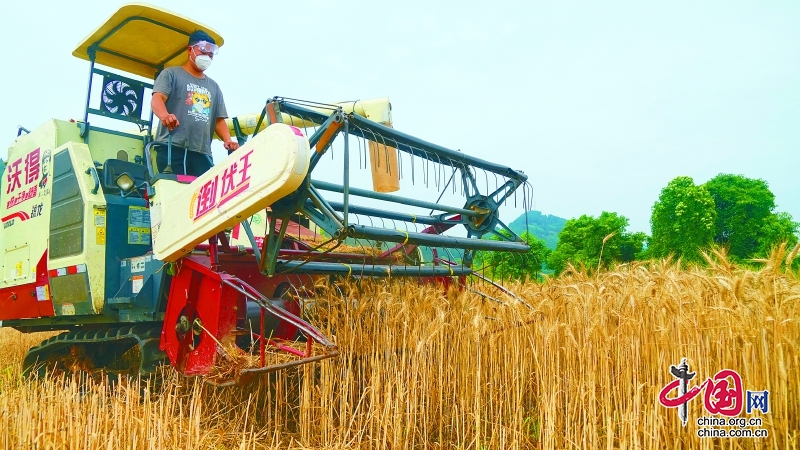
(264, 170)
(78, 215)
(25, 212)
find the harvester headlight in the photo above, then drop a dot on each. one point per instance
(124, 182)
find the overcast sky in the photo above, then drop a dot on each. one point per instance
(601, 104)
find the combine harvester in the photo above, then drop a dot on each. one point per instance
(138, 266)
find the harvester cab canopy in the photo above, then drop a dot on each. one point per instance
(138, 39)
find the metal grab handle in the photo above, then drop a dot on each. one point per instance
(91, 170)
(168, 169)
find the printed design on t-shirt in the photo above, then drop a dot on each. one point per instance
(198, 99)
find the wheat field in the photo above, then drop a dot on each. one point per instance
(575, 362)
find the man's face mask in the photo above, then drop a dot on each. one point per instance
(207, 50)
(202, 62)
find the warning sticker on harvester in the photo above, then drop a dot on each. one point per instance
(43, 293)
(138, 225)
(155, 220)
(137, 281)
(137, 264)
(99, 218)
(100, 226)
(138, 217)
(138, 235)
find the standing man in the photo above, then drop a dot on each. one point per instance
(190, 107)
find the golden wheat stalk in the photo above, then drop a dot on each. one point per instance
(424, 368)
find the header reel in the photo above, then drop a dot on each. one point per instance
(397, 154)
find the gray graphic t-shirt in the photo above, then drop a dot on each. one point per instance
(196, 102)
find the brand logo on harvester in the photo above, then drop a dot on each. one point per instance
(723, 395)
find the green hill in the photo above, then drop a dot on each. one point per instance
(544, 226)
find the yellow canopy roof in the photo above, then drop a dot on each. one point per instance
(142, 37)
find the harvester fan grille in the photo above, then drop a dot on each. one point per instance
(121, 99)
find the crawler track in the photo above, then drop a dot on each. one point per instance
(127, 348)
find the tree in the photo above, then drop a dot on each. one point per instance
(592, 242)
(746, 223)
(515, 266)
(742, 206)
(683, 220)
(777, 228)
